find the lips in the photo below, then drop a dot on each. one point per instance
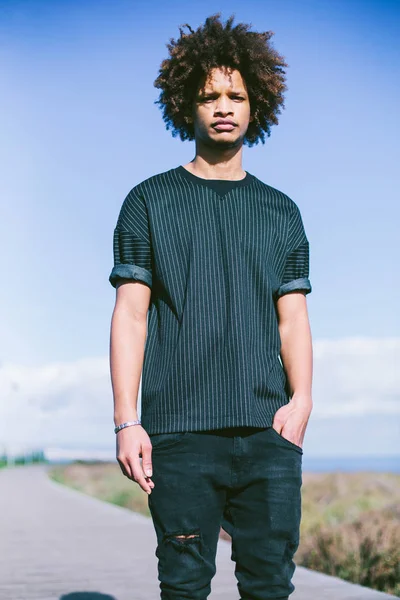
(224, 125)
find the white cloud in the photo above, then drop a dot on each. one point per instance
(61, 404)
(356, 376)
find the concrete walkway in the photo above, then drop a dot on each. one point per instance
(60, 544)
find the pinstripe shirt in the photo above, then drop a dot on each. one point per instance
(216, 256)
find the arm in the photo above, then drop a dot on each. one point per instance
(296, 343)
(131, 275)
(294, 328)
(297, 357)
(127, 341)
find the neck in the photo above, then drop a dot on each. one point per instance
(222, 165)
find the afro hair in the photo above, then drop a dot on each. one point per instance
(214, 45)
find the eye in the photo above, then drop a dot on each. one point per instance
(203, 99)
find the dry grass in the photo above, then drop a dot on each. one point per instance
(351, 528)
(104, 481)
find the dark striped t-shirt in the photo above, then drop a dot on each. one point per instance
(216, 255)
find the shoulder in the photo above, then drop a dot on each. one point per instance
(138, 196)
(155, 182)
(280, 199)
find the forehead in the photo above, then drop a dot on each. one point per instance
(222, 77)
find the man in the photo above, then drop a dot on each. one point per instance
(219, 263)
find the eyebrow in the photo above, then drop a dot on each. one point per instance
(211, 92)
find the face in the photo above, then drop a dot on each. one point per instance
(221, 110)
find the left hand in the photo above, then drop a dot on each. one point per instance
(290, 420)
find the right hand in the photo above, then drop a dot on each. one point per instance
(132, 443)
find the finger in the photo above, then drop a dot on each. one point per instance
(125, 467)
(138, 475)
(146, 460)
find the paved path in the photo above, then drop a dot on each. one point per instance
(60, 544)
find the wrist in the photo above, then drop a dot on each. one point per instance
(126, 424)
(302, 399)
(123, 417)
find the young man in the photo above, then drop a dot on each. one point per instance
(219, 263)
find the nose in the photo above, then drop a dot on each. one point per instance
(223, 106)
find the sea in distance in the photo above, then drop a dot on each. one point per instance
(351, 464)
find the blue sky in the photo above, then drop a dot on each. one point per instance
(80, 129)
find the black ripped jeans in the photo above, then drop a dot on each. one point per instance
(246, 480)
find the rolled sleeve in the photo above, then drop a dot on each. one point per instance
(297, 263)
(131, 243)
(132, 272)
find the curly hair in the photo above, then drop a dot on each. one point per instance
(214, 45)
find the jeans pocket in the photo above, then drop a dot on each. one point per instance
(286, 441)
(164, 441)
